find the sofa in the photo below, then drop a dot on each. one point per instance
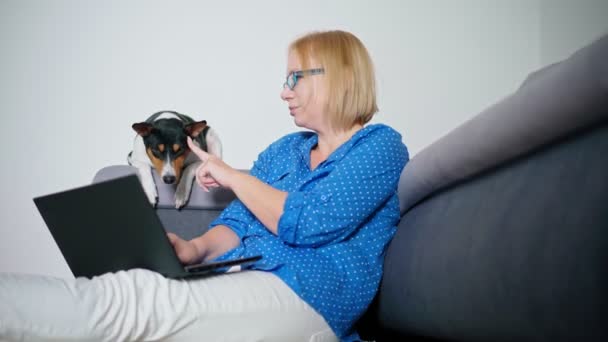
(504, 221)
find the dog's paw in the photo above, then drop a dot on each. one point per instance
(180, 201)
(182, 195)
(152, 196)
(153, 201)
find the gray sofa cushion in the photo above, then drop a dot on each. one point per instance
(518, 253)
(215, 199)
(551, 103)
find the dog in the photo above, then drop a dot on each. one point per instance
(160, 144)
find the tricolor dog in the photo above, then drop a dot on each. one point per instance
(160, 145)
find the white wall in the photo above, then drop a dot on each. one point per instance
(566, 25)
(76, 74)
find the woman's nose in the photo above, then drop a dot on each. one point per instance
(286, 94)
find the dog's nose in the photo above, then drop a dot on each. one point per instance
(169, 179)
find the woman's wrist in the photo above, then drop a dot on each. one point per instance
(234, 179)
(200, 247)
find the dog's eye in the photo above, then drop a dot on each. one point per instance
(158, 154)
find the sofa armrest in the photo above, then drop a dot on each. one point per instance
(551, 104)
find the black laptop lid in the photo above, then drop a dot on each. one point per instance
(107, 227)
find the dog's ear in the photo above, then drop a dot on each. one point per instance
(143, 128)
(195, 128)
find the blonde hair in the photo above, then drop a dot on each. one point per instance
(349, 75)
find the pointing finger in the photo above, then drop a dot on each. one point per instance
(197, 150)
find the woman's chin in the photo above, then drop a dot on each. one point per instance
(297, 120)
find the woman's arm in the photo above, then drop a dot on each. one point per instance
(264, 201)
(250, 190)
(358, 184)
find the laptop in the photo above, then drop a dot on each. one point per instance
(110, 226)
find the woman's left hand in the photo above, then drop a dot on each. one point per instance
(213, 172)
(187, 251)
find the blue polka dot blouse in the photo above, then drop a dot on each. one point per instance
(336, 223)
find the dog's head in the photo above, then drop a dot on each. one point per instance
(166, 146)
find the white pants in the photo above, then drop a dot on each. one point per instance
(144, 306)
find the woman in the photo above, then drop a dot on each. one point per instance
(320, 206)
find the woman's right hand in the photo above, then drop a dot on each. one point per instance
(213, 172)
(187, 251)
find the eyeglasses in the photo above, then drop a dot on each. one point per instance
(292, 79)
